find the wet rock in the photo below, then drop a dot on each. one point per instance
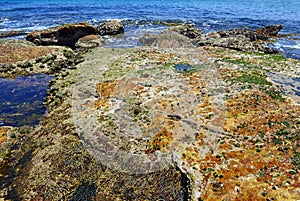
(238, 42)
(270, 31)
(113, 27)
(148, 39)
(7, 34)
(89, 41)
(66, 35)
(251, 35)
(187, 30)
(167, 39)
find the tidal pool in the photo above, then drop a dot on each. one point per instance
(22, 99)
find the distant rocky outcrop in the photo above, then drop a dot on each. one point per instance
(270, 31)
(238, 42)
(113, 27)
(65, 35)
(238, 39)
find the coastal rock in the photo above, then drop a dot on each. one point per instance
(66, 35)
(7, 34)
(20, 57)
(167, 39)
(270, 31)
(187, 30)
(89, 41)
(252, 35)
(113, 27)
(238, 42)
(148, 39)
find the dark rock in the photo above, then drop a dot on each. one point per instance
(66, 35)
(6, 34)
(238, 42)
(252, 35)
(89, 41)
(113, 27)
(187, 30)
(270, 31)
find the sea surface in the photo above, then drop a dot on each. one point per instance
(140, 16)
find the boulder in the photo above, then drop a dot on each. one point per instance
(167, 39)
(187, 30)
(270, 31)
(89, 41)
(148, 39)
(113, 27)
(66, 35)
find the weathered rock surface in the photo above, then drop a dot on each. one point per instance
(167, 39)
(241, 39)
(270, 31)
(19, 57)
(89, 41)
(207, 111)
(6, 34)
(66, 35)
(236, 42)
(113, 27)
(187, 30)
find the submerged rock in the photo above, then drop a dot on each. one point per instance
(113, 27)
(65, 35)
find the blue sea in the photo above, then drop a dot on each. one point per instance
(141, 16)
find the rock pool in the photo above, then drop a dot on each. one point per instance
(21, 99)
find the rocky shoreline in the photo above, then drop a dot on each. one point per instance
(205, 103)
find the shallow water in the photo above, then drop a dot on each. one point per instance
(21, 99)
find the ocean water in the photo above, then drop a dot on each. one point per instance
(141, 16)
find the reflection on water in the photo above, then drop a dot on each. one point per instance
(21, 99)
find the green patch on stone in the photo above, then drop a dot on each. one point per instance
(296, 160)
(278, 58)
(275, 94)
(236, 61)
(253, 78)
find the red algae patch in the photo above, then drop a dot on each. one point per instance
(14, 51)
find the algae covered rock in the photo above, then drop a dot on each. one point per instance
(113, 27)
(89, 41)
